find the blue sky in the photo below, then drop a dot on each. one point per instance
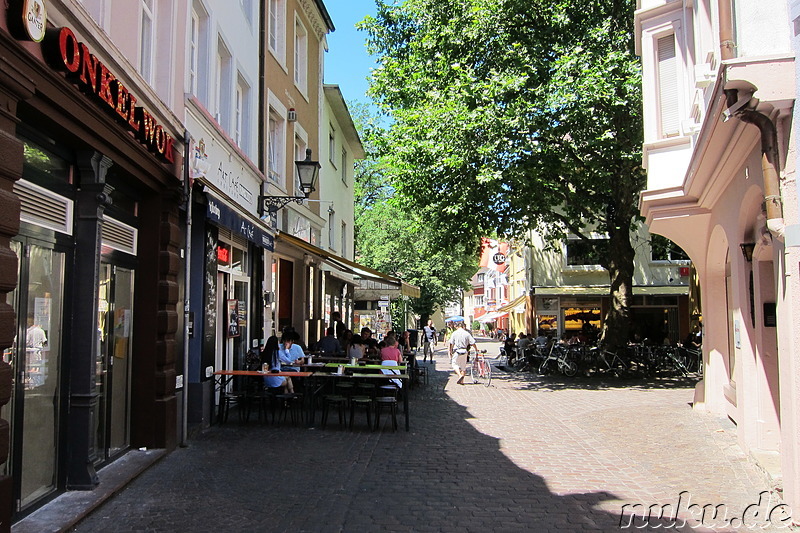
(347, 62)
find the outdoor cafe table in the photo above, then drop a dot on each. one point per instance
(378, 377)
(223, 377)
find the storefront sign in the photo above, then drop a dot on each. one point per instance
(499, 258)
(221, 215)
(64, 52)
(27, 19)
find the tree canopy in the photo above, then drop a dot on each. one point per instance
(511, 115)
(395, 241)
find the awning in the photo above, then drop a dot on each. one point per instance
(488, 317)
(605, 291)
(222, 214)
(512, 304)
(368, 279)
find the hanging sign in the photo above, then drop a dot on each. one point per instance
(27, 19)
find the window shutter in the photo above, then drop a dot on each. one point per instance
(669, 110)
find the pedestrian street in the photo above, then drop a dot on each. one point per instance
(526, 453)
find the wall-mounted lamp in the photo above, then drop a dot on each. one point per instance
(747, 250)
(307, 172)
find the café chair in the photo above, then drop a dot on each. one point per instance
(387, 400)
(335, 401)
(364, 402)
(289, 404)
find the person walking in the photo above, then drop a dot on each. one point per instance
(458, 349)
(429, 342)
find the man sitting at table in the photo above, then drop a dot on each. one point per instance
(290, 354)
(370, 344)
(329, 343)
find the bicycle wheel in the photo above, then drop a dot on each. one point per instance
(488, 372)
(476, 371)
(569, 368)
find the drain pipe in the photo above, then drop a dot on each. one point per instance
(187, 272)
(726, 44)
(747, 113)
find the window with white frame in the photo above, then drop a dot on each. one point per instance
(276, 150)
(479, 301)
(277, 29)
(343, 250)
(198, 82)
(97, 10)
(146, 35)
(344, 166)
(241, 118)
(300, 56)
(332, 145)
(668, 86)
(194, 51)
(224, 102)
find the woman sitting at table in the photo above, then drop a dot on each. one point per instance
(290, 354)
(269, 355)
(390, 352)
(356, 347)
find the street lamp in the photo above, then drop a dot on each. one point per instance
(307, 172)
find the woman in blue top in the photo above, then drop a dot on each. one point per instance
(269, 355)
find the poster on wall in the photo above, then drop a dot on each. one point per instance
(233, 318)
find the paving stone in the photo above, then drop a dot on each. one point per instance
(525, 454)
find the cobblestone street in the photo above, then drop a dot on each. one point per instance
(525, 454)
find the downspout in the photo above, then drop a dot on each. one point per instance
(769, 159)
(188, 263)
(769, 134)
(726, 44)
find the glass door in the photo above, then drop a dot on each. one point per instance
(113, 369)
(36, 360)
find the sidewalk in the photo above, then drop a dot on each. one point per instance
(525, 454)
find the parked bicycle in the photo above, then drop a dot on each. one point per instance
(481, 369)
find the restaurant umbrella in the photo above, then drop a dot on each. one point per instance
(455, 318)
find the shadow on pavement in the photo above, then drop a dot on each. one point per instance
(444, 475)
(528, 380)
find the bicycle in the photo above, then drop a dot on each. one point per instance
(561, 356)
(481, 369)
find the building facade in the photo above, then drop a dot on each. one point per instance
(91, 180)
(720, 152)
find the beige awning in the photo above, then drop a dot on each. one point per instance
(371, 281)
(512, 304)
(654, 290)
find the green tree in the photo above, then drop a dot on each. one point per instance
(511, 115)
(396, 241)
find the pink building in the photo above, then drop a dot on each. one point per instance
(720, 152)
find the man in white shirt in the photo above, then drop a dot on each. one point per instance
(458, 349)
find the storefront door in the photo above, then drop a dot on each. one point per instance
(114, 324)
(36, 360)
(232, 322)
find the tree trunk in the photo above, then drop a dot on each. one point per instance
(616, 329)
